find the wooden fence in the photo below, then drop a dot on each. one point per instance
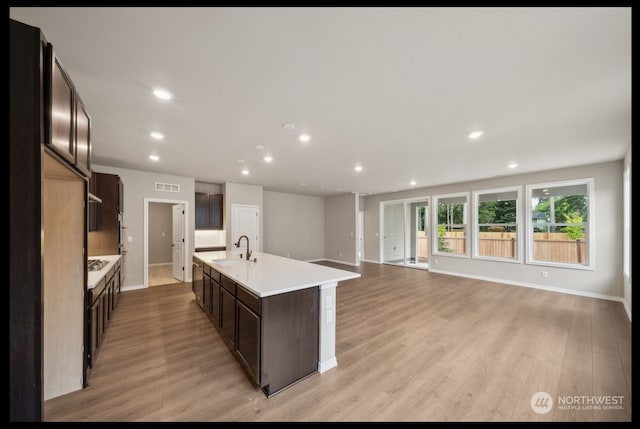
(547, 246)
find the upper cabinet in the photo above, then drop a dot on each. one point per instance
(68, 125)
(83, 138)
(208, 211)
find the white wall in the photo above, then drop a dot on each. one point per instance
(627, 232)
(341, 220)
(294, 225)
(138, 185)
(236, 193)
(605, 280)
(160, 233)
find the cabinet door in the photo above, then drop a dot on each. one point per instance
(214, 313)
(202, 210)
(94, 332)
(60, 109)
(215, 211)
(206, 294)
(248, 345)
(197, 280)
(228, 316)
(83, 138)
(116, 288)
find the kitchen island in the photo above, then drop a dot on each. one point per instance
(277, 315)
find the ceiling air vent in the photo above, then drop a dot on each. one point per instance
(167, 187)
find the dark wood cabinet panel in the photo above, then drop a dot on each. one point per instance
(197, 281)
(106, 218)
(215, 211)
(290, 335)
(83, 138)
(228, 316)
(60, 108)
(214, 312)
(206, 293)
(208, 210)
(248, 345)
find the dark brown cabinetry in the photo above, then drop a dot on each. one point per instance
(103, 300)
(105, 218)
(275, 338)
(60, 108)
(228, 316)
(83, 138)
(197, 281)
(208, 210)
(48, 267)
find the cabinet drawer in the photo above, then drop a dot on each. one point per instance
(207, 270)
(228, 284)
(215, 275)
(248, 299)
(109, 275)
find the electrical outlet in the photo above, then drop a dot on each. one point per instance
(288, 255)
(545, 274)
(339, 253)
(329, 316)
(130, 239)
(435, 261)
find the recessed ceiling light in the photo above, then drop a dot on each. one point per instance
(288, 126)
(358, 168)
(303, 184)
(162, 94)
(475, 134)
(245, 172)
(512, 165)
(268, 158)
(413, 183)
(156, 135)
(241, 160)
(154, 158)
(304, 138)
(259, 147)
(338, 189)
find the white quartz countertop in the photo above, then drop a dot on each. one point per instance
(94, 277)
(271, 274)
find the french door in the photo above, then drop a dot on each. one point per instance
(405, 232)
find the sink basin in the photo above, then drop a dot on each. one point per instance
(226, 262)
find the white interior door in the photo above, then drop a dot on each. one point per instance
(245, 221)
(177, 242)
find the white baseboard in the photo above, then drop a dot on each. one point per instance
(340, 262)
(370, 261)
(132, 287)
(315, 260)
(627, 309)
(533, 286)
(161, 264)
(327, 365)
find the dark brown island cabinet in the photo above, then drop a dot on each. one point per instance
(275, 338)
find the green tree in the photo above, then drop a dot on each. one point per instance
(574, 231)
(442, 241)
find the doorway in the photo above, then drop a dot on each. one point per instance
(404, 234)
(245, 220)
(165, 242)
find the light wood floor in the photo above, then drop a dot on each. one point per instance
(411, 346)
(160, 275)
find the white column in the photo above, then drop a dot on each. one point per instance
(327, 358)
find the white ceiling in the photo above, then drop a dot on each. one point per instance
(396, 90)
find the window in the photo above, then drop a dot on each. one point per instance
(451, 217)
(559, 223)
(496, 220)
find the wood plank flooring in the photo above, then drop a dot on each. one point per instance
(160, 275)
(411, 346)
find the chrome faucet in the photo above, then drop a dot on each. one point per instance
(248, 251)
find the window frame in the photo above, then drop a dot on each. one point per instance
(435, 199)
(589, 225)
(476, 224)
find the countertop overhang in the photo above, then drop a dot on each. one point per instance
(271, 274)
